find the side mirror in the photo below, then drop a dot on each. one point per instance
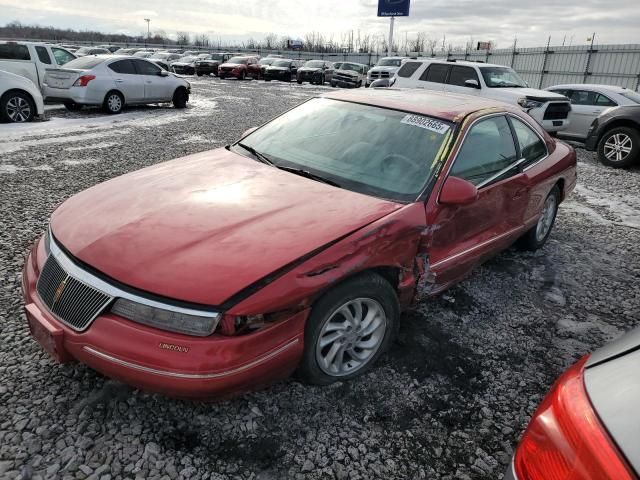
(472, 84)
(163, 73)
(457, 191)
(249, 131)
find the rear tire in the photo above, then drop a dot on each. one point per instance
(538, 235)
(299, 82)
(180, 98)
(17, 107)
(619, 147)
(113, 102)
(72, 106)
(367, 329)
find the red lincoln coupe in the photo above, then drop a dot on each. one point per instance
(297, 247)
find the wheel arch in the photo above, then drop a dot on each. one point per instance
(124, 97)
(618, 123)
(18, 90)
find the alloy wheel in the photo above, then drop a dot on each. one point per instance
(350, 337)
(114, 102)
(618, 147)
(18, 109)
(546, 219)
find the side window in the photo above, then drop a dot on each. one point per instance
(532, 148)
(12, 51)
(487, 150)
(43, 55)
(583, 97)
(436, 73)
(602, 101)
(61, 56)
(566, 93)
(146, 68)
(459, 75)
(123, 66)
(409, 69)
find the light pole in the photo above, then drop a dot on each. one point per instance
(148, 20)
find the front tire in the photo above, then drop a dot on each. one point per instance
(180, 98)
(17, 107)
(348, 329)
(538, 235)
(113, 103)
(243, 75)
(619, 147)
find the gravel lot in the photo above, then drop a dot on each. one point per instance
(449, 401)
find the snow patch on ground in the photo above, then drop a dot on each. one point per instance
(9, 168)
(624, 208)
(83, 161)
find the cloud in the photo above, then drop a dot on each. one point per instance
(499, 20)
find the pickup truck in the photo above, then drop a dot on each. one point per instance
(31, 59)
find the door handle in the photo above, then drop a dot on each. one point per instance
(148, 82)
(119, 80)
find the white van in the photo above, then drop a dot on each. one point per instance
(495, 82)
(31, 59)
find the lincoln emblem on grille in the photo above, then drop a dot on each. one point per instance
(59, 290)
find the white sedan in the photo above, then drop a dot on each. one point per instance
(20, 99)
(113, 82)
(588, 102)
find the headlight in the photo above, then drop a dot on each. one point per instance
(47, 240)
(528, 104)
(174, 321)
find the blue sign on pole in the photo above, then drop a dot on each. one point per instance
(393, 8)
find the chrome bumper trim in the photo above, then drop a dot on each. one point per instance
(191, 376)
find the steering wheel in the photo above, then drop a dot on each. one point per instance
(397, 159)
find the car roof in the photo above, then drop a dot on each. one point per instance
(457, 62)
(590, 87)
(448, 106)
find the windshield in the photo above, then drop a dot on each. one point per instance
(282, 63)
(314, 64)
(366, 149)
(160, 56)
(389, 62)
(351, 66)
(216, 56)
(84, 63)
(267, 61)
(499, 77)
(187, 59)
(633, 96)
(238, 60)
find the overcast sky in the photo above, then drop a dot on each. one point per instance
(498, 20)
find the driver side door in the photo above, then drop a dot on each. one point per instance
(463, 236)
(156, 87)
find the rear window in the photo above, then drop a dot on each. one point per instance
(436, 73)
(633, 96)
(9, 51)
(408, 69)
(43, 55)
(123, 66)
(84, 63)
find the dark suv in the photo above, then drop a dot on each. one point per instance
(615, 135)
(209, 63)
(315, 71)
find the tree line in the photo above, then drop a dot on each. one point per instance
(313, 41)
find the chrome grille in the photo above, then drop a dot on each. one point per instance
(73, 302)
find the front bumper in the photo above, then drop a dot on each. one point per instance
(591, 144)
(172, 364)
(184, 70)
(341, 82)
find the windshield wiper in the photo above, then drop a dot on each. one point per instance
(307, 174)
(260, 156)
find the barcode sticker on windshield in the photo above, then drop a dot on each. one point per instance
(426, 123)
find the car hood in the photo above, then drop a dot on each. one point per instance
(232, 65)
(385, 69)
(202, 228)
(182, 64)
(532, 93)
(348, 72)
(278, 69)
(309, 69)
